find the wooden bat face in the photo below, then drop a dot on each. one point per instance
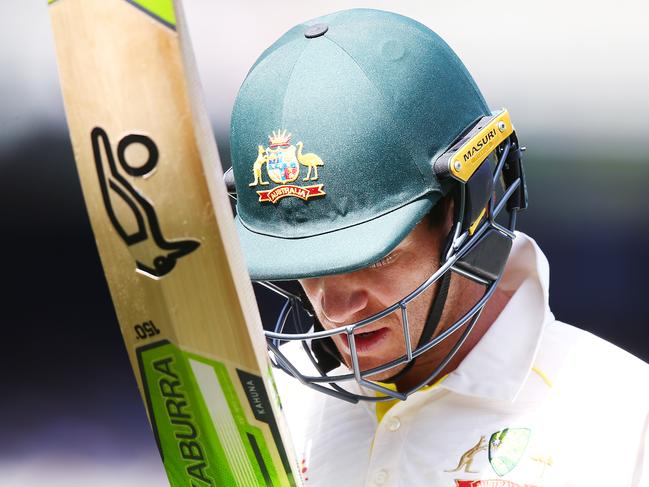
(152, 184)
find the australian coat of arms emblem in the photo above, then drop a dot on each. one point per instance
(283, 161)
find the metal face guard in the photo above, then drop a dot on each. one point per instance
(478, 249)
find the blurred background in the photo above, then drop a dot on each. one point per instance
(574, 76)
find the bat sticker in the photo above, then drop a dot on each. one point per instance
(117, 192)
(206, 433)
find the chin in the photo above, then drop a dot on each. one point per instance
(384, 377)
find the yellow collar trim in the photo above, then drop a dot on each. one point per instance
(383, 407)
(543, 376)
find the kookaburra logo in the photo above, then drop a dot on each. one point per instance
(132, 215)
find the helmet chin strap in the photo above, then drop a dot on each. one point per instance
(431, 326)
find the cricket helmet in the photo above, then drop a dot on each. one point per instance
(345, 133)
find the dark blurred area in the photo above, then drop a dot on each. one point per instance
(64, 368)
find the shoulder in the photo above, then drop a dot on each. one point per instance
(580, 361)
(563, 340)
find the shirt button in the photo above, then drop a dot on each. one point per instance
(394, 424)
(381, 477)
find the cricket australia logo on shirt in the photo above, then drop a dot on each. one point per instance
(282, 161)
(505, 450)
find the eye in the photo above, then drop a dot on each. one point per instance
(388, 259)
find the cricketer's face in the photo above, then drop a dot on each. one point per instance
(347, 298)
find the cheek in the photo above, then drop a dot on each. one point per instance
(407, 275)
(420, 268)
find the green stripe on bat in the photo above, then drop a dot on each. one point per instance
(201, 425)
(162, 10)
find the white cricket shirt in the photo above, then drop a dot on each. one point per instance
(535, 403)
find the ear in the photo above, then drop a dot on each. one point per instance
(449, 203)
(441, 215)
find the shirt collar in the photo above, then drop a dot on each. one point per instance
(499, 364)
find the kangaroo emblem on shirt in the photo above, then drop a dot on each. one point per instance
(466, 460)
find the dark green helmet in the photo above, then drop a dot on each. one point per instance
(334, 132)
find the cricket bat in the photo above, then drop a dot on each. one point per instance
(153, 186)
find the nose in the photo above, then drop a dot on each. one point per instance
(341, 299)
